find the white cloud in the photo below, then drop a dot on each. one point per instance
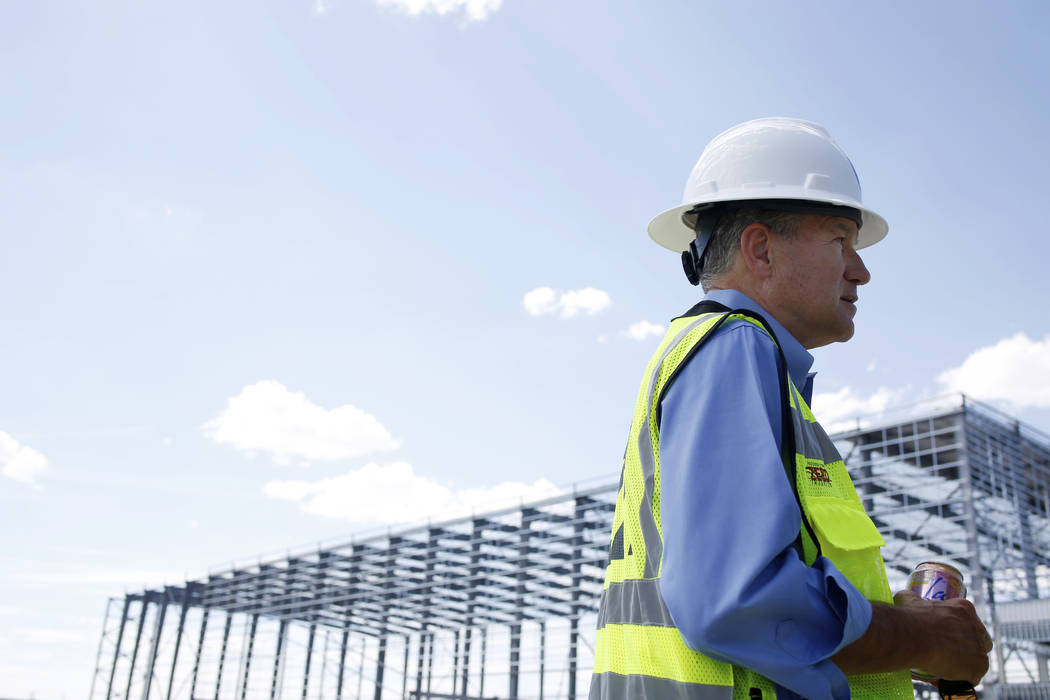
(473, 10)
(267, 416)
(1015, 370)
(544, 301)
(20, 462)
(540, 301)
(394, 493)
(838, 410)
(320, 7)
(643, 329)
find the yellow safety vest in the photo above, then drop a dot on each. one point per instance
(639, 653)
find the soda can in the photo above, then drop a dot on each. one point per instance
(934, 580)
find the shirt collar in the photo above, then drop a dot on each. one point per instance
(798, 358)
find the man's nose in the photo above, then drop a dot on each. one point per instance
(856, 271)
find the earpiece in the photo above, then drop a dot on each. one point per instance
(691, 264)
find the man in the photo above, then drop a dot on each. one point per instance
(742, 564)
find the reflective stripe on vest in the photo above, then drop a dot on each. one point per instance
(639, 653)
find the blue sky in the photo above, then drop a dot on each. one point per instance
(266, 265)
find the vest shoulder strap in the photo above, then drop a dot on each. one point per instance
(787, 430)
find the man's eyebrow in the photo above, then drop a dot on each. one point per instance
(839, 227)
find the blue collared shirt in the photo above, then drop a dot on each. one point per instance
(733, 583)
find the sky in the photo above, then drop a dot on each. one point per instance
(278, 272)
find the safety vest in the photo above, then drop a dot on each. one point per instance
(639, 653)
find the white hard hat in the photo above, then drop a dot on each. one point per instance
(769, 159)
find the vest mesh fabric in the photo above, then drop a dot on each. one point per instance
(637, 645)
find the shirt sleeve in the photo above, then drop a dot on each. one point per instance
(732, 580)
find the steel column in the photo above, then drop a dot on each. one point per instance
(391, 567)
(1017, 486)
(318, 594)
(419, 662)
(135, 649)
(197, 658)
(455, 663)
(248, 655)
(342, 665)
(222, 651)
(983, 582)
(380, 667)
(98, 654)
(116, 653)
(477, 531)
(154, 644)
(484, 637)
(430, 660)
(519, 589)
(404, 672)
(278, 659)
(466, 658)
(178, 637)
(309, 659)
(577, 579)
(543, 653)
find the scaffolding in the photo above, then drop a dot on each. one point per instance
(503, 605)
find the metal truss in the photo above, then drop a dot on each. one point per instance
(503, 605)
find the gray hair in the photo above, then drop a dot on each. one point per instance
(725, 239)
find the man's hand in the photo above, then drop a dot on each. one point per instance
(962, 643)
(944, 638)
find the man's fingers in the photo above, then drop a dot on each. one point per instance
(905, 596)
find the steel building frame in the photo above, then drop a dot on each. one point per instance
(503, 605)
(522, 570)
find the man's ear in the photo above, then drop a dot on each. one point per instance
(756, 250)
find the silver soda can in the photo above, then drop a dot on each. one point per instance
(934, 580)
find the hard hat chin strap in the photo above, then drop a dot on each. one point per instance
(707, 216)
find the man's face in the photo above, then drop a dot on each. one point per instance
(815, 278)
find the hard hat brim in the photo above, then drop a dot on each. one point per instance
(670, 231)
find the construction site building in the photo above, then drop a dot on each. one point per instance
(502, 605)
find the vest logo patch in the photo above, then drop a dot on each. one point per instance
(819, 474)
